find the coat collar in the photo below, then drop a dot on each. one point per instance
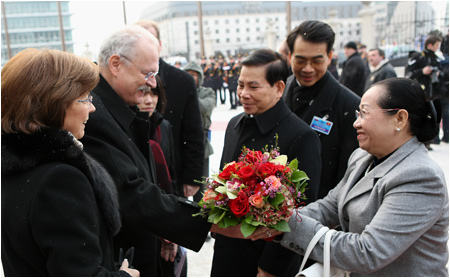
(269, 119)
(367, 182)
(119, 110)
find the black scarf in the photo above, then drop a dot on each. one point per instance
(302, 95)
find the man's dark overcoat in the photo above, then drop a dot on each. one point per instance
(296, 140)
(337, 104)
(118, 137)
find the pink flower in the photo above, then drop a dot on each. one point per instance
(273, 182)
(256, 201)
(233, 185)
(209, 195)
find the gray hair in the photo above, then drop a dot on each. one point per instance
(123, 42)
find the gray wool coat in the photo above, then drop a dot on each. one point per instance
(394, 220)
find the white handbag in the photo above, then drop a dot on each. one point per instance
(319, 269)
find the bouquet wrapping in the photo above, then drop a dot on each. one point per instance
(260, 189)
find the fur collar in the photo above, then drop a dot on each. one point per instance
(21, 152)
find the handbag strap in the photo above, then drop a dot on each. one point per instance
(311, 245)
(326, 253)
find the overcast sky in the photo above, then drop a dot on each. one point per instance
(93, 21)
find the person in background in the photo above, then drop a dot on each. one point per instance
(354, 71)
(182, 111)
(333, 66)
(380, 68)
(59, 206)
(445, 89)
(118, 136)
(265, 116)
(161, 143)
(206, 101)
(362, 50)
(425, 68)
(232, 71)
(283, 49)
(392, 204)
(313, 94)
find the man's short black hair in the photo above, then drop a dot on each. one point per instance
(312, 31)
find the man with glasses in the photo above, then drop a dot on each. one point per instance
(183, 112)
(318, 99)
(117, 135)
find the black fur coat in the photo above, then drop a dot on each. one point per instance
(59, 208)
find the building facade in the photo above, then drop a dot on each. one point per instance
(233, 27)
(34, 24)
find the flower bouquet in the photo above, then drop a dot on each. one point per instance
(260, 189)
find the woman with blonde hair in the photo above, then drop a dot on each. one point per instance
(59, 206)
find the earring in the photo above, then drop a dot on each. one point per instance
(397, 129)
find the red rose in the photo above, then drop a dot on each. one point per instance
(226, 173)
(245, 172)
(254, 156)
(240, 206)
(267, 169)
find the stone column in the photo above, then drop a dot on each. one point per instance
(209, 44)
(271, 35)
(335, 24)
(367, 27)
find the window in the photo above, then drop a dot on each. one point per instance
(237, 30)
(228, 39)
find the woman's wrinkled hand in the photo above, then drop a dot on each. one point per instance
(131, 271)
(168, 250)
(235, 232)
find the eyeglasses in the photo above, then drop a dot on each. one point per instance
(314, 62)
(88, 101)
(363, 113)
(147, 74)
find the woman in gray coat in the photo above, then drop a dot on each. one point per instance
(392, 204)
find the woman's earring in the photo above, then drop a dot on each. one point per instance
(397, 129)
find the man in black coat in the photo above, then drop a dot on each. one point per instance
(117, 135)
(354, 71)
(380, 68)
(183, 112)
(318, 99)
(261, 86)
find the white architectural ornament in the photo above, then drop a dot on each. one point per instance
(367, 25)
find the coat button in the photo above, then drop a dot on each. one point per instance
(296, 248)
(291, 245)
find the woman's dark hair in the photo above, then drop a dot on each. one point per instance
(161, 93)
(403, 93)
(277, 68)
(312, 31)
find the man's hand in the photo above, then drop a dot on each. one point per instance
(427, 70)
(190, 190)
(168, 250)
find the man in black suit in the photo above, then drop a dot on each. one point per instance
(117, 135)
(183, 112)
(354, 71)
(260, 88)
(318, 99)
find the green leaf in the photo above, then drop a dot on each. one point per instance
(298, 176)
(216, 216)
(277, 200)
(230, 221)
(247, 229)
(293, 165)
(282, 226)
